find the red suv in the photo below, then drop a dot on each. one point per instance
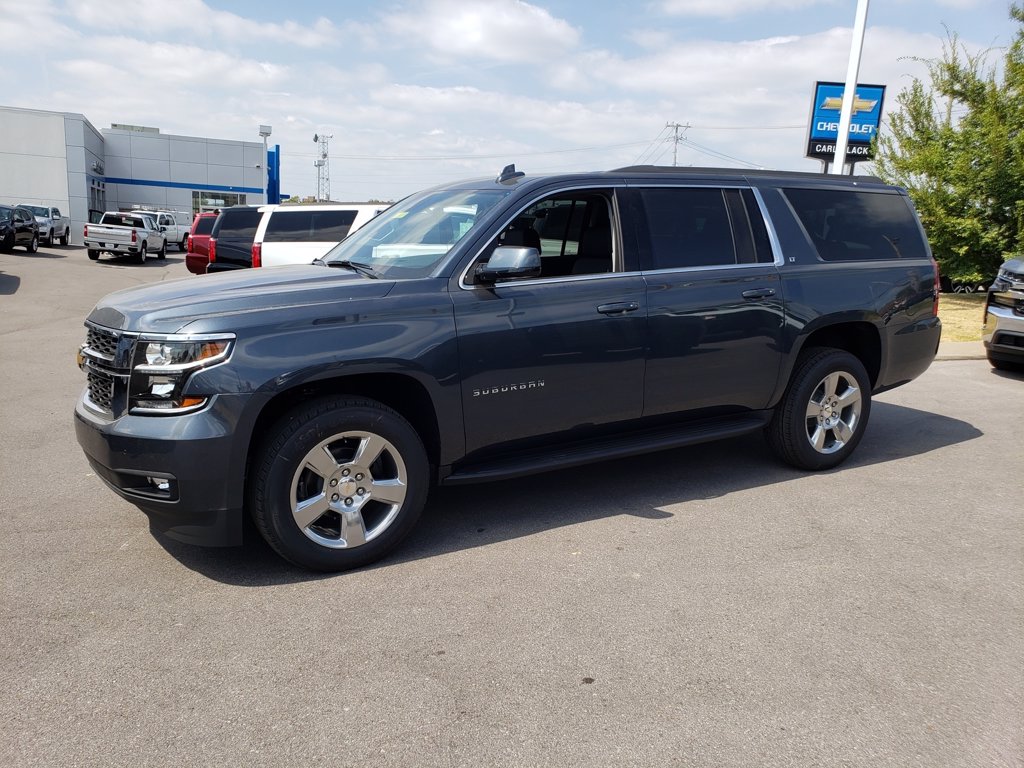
(198, 245)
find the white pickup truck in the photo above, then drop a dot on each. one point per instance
(51, 224)
(120, 233)
(175, 225)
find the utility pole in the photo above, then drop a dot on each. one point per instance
(676, 138)
(323, 166)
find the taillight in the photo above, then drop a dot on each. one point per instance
(213, 249)
(257, 254)
(85, 231)
(935, 290)
(188, 245)
(135, 236)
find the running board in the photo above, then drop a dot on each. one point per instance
(629, 444)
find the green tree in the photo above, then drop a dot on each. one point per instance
(956, 144)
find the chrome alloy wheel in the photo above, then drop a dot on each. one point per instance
(833, 412)
(348, 489)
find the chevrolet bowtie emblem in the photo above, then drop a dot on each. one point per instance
(859, 104)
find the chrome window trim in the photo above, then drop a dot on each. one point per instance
(709, 268)
(773, 236)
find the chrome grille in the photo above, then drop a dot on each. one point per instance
(106, 361)
(101, 389)
(104, 343)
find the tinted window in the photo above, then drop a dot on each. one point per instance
(240, 222)
(204, 225)
(5, 214)
(298, 226)
(688, 227)
(855, 225)
(122, 220)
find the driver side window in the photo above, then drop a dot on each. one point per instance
(572, 231)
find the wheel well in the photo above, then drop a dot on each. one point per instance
(401, 393)
(859, 339)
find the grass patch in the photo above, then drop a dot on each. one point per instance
(961, 316)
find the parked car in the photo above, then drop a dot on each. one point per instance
(52, 225)
(121, 233)
(497, 328)
(175, 225)
(232, 237)
(18, 227)
(1003, 331)
(299, 234)
(198, 243)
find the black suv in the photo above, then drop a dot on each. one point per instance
(18, 226)
(493, 328)
(232, 237)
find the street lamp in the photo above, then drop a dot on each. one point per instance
(265, 130)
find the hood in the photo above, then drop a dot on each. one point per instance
(171, 306)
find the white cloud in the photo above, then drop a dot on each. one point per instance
(200, 21)
(500, 30)
(732, 8)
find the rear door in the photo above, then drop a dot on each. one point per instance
(234, 231)
(561, 356)
(714, 296)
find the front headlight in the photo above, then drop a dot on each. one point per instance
(163, 366)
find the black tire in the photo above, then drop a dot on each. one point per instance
(832, 384)
(33, 245)
(8, 243)
(140, 257)
(93, 255)
(183, 245)
(65, 237)
(49, 239)
(353, 507)
(162, 253)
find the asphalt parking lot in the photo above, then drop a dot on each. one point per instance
(699, 607)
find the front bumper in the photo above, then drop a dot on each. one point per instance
(1003, 334)
(182, 471)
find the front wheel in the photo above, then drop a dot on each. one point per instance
(338, 482)
(162, 253)
(33, 245)
(183, 245)
(140, 257)
(65, 237)
(824, 412)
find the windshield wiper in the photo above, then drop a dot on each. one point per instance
(355, 266)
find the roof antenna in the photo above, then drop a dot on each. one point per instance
(508, 173)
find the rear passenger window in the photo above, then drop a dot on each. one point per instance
(855, 225)
(689, 227)
(239, 223)
(306, 226)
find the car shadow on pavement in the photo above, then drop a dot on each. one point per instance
(465, 517)
(9, 284)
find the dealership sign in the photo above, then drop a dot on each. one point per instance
(864, 121)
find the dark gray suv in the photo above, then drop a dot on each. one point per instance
(1004, 318)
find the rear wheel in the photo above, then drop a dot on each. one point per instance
(824, 412)
(65, 237)
(93, 255)
(338, 483)
(162, 253)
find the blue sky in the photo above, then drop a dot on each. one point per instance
(419, 92)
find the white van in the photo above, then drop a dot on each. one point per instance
(298, 234)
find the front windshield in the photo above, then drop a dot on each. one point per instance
(411, 237)
(38, 210)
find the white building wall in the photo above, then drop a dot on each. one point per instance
(33, 157)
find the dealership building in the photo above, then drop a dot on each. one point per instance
(60, 159)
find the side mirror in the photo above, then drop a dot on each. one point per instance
(509, 263)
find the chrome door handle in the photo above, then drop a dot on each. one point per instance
(618, 308)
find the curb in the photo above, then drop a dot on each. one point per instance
(961, 350)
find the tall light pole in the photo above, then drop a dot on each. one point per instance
(852, 72)
(265, 131)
